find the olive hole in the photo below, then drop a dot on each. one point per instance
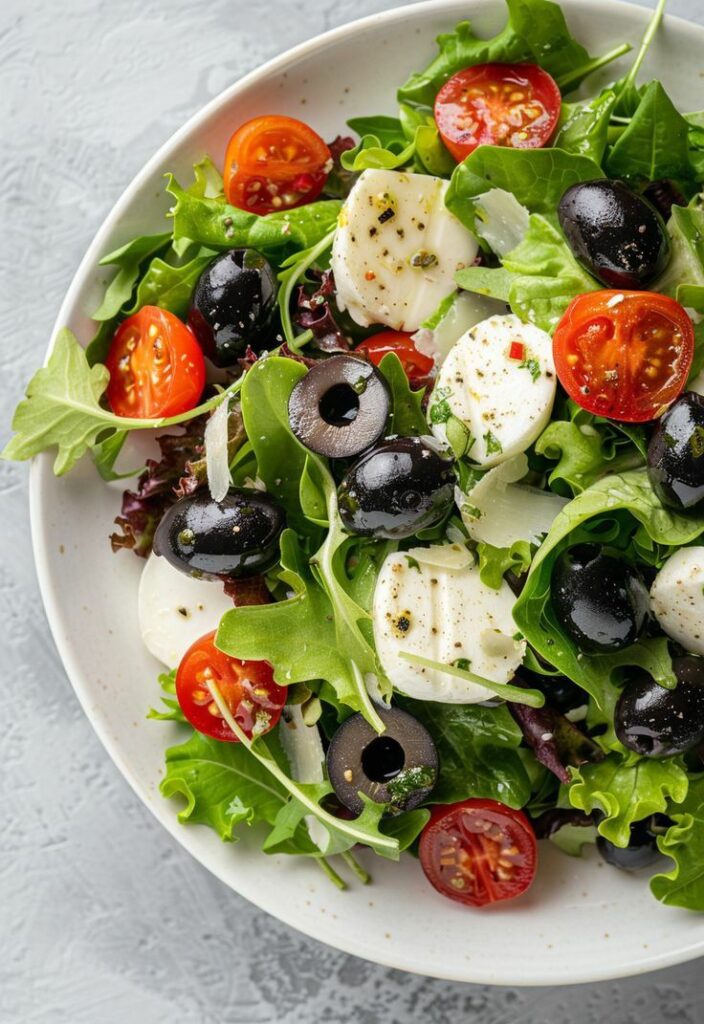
(339, 405)
(383, 759)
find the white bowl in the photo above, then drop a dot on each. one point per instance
(581, 921)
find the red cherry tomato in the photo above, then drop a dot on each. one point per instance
(416, 366)
(156, 366)
(478, 852)
(248, 688)
(625, 355)
(515, 105)
(275, 163)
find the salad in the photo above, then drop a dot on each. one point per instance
(424, 541)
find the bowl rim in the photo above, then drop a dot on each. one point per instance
(41, 470)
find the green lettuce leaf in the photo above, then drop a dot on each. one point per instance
(620, 510)
(537, 178)
(218, 225)
(494, 562)
(683, 885)
(538, 279)
(171, 711)
(535, 31)
(683, 278)
(627, 790)
(407, 418)
(655, 144)
(478, 751)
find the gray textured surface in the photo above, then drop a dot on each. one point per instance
(103, 918)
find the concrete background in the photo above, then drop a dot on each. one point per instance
(103, 918)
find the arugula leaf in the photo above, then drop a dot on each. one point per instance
(169, 286)
(407, 418)
(584, 126)
(538, 279)
(494, 562)
(537, 178)
(683, 885)
(458, 669)
(627, 93)
(478, 751)
(627, 790)
(128, 259)
(656, 142)
(536, 30)
(623, 509)
(62, 408)
(218, 225)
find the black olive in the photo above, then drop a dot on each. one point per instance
(401, 486)
(600, 602)
(657, 722)
(238, 536)
(233, 306)
(398, 767)
(340, 407)
(615, 233)
(664, 194)
(642, 849)
(676, 455)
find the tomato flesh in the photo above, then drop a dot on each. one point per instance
(275, 163)
(416, 365)
(248, 688)
(478, 852)
(514, 105)
(156, 366)
(624, 355)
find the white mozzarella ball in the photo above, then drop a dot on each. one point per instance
(397, 249)
(677, 598)
(431, 602)
(175, 610)
(499, 381)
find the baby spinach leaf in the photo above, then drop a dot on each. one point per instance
(655, 144)
(683, 278)
(584, 126)
(478, 751)
(683, 885)
(537, 178)
(627, 789)
(407, 418)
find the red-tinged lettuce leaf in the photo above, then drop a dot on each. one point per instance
(555, 741)
(314, 312)
(683, 842)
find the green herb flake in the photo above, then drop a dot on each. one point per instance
(492, 444)
(696, 442)
(440, 412)
(533, 367)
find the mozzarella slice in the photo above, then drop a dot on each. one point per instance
(431, 602)
(466, 310)
(499, 380)
(499, 511)
(174, 610)
(397, 249)
(677, 598)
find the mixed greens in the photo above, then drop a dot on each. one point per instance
(567, 502)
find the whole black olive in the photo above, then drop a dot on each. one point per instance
(642, 849)
(560, 692)
(656, 722)
(600, 602)
(401, 486)
(340, 407)
(398, 767)
(238, 536)
(233, 306)
(615, 233)
(676, 455)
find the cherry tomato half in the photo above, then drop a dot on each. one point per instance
(275, 163)
(625, 355)
(156, 366)
(416, 366)
(515, 105)
(478, 852)
(248, 687)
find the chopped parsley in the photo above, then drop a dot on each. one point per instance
(492, 443)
